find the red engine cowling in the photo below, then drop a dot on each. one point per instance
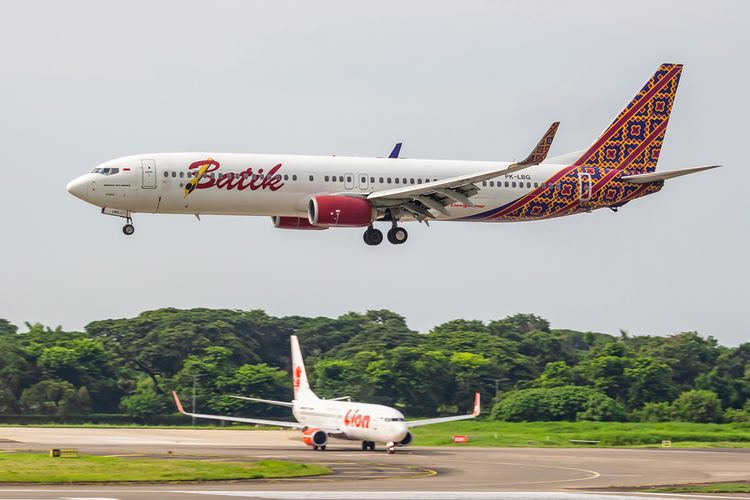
(294, 223)
(315, 437)
(340, 211)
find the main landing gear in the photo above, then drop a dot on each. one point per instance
(368, 445)
(396, 235)
(319, 448)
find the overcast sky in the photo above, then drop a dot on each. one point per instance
(84, 82)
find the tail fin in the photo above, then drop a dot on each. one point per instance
(299, 375)
(633, 141)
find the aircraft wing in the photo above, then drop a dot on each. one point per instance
(420, 199)
(663, 176)
(258, 421)
(267, 401)
(417, 423)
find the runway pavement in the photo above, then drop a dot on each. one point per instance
(413, 473)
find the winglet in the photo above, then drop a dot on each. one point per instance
(539, 153)
(396, 150)
(177, 400)
(476, 404)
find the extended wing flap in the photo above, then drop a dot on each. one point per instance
(663, 176)
(257, 421)
(453, 186)
(429, 421)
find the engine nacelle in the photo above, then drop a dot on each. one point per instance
(340, 211)
(407, 439)
(315, 437)
(294, 223)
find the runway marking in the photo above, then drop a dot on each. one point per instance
(593, 474)
(372, 495)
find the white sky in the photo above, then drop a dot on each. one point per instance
(84, 82)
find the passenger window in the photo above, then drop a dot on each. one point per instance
(174, 174)
(182, 174)
(166, 174)
(389, 180)
(381, 180)
(419, 181)
(294, 177)
(514, 184)
(506, 184)
(536, 184)
(528, 184)
(372, 180)
(341, 178)
(312, 178)
(396, 179)
(286, 177)
(411, 181)
(325, 178)
(404, 180)
(484, 183)
(348, 178)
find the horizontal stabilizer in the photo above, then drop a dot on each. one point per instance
(663, 176)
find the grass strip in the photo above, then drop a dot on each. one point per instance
(701, 488)
(561, 434)
(35, 468)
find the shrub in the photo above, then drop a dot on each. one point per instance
(560, 403)
(654, 412)
(697, 406)
(143, 403)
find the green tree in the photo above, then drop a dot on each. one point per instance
(55, 397)
(559, 403)
(648, 380)
(145, 402)
(7, 328)
(697, 406)
(556, 374)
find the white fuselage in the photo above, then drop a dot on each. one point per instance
(155, 183)
(356, 421)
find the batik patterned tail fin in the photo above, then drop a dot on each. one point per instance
(633, 141)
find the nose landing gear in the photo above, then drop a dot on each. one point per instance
(128, 228)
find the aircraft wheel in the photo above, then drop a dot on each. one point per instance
(315, 448)
(372, 445)
(373, 237)
(365, 445)
(397, 235)
(323, 448)
(391, 450)
(128, 229)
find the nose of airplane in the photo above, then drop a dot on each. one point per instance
(78, 187)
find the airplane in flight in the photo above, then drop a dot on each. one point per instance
(321, 192)
(341, 418)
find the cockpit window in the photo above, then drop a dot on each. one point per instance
(105, 171)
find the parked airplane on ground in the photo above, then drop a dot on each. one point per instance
(319, 192)
(320, 419)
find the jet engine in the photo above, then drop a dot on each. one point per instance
(294, 223)
(341, 211)
(315, 437)
(407, 439)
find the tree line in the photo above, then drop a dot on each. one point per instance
(524, 369)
